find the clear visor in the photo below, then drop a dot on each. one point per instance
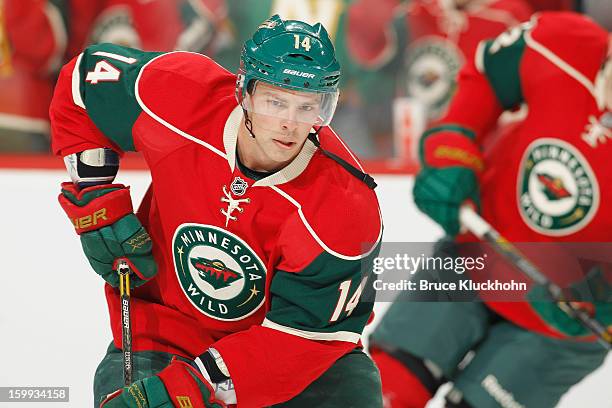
(312, 108)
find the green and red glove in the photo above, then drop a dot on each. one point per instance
(109, 230)
(593, 294)
(178, 385)
(451, 162)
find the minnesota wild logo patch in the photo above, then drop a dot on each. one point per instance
(218, 272)
(558, 193)
(431, 67)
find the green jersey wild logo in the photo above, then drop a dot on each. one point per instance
(218, 272)
(558, 193)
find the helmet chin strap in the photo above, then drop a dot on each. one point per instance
(363, 177)
(247, 123)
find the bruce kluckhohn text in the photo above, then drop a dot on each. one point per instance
(424, 285)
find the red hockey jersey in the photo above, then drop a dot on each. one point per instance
(544, 180)
(276, 290)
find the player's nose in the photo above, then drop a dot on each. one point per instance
(290, 122)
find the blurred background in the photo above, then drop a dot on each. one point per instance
(399, 57)
(399, 61)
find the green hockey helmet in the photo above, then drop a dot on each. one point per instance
(295, 56)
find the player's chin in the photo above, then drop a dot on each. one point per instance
(281, 155)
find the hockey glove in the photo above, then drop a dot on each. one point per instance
(594, 288)
(178, 385)
(103, 217)
(450, 164)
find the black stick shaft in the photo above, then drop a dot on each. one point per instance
(126, 323)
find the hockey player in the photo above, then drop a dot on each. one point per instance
(546, 181)
(435, 38)
(249, 247)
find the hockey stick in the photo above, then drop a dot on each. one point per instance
(483, 230)
(126, 335)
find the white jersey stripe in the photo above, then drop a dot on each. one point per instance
(127, 60)
(76, 83)
(317, 238)
(557, 61)
(334, 336)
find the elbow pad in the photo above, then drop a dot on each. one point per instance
(92, 167)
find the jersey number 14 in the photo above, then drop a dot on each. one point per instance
(342, 305)
(104, 71)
